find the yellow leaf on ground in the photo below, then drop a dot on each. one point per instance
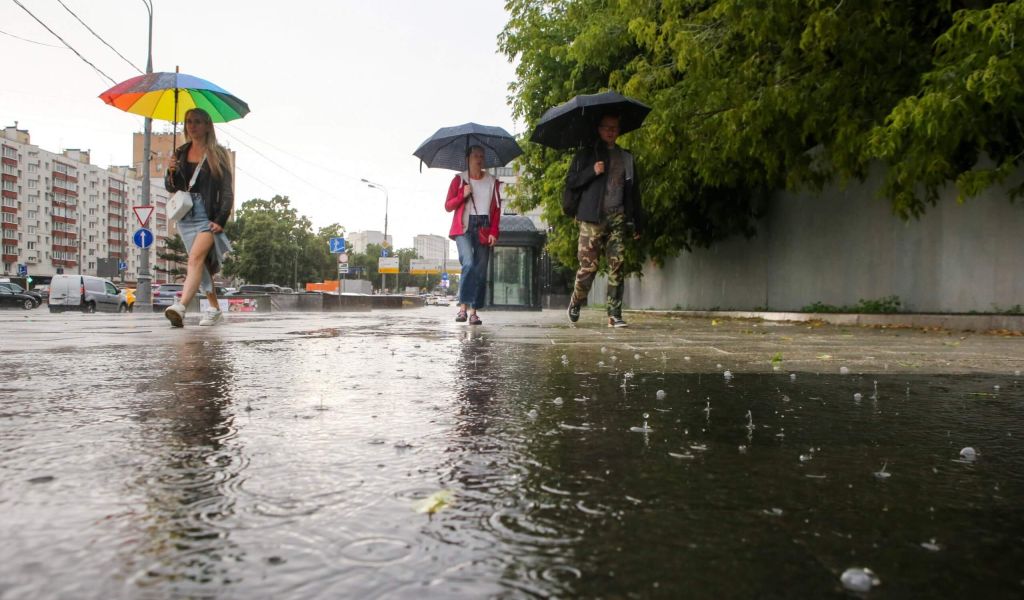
(434, 502)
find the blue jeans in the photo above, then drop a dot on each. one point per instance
(474, 256)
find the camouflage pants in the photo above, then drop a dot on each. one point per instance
(607, 236)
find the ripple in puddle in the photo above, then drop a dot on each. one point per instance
(376, 550)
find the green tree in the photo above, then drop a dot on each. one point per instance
(274, 244)
(176, 256)
(365, 263)
(752, 97)
(326, 262)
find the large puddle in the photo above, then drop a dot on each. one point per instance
(374, 463)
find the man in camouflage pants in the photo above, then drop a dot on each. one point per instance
(603, 194)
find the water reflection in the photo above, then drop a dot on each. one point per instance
(789, 483)
(188, 435)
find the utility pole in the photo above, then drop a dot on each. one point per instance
(144, 291)
(384, 244)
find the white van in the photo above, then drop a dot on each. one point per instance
(85, 293)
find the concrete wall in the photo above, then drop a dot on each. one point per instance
(843, 245)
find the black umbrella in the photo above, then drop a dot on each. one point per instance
(446, 149)
(574, 123)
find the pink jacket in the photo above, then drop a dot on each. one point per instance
(456, 202)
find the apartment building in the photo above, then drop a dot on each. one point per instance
(60, 213)
(360, 239)
(431, 246)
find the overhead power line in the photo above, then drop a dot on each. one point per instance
(279, 165)
(77, 53)
(238, 129)
(18, 37)
(130, 63)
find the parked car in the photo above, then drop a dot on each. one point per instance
(85, 293)
(43, 290)
(10, 298)
(17, 289)
(263, 288)
(166, 294)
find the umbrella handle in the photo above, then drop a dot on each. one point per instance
(175, 117)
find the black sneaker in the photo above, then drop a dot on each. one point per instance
(617, 322)
(574, 312)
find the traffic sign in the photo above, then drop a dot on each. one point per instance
(22, 270)
(424, 266)
(444, 276)
(143, 238)
(342, 258)
(122, 266)
(384, 252)
(337, 245)
(387, 265)
(343, 269)
(143, 213)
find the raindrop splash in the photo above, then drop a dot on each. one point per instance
(859, 580)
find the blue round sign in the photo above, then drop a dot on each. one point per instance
(143, 238)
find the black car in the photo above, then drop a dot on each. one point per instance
(17, 289)
(15, 299)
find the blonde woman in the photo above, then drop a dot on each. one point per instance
(202, 229)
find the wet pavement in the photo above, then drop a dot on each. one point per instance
(398, 454)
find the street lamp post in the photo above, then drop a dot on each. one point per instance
(384, 244)
(143, 293)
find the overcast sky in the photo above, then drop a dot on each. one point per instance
(339, 91)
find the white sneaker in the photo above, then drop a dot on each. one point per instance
(211, 317)
(175, 313)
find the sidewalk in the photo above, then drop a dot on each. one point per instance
(981, 322)
(709, 341)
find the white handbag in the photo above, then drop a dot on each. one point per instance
(181, 201)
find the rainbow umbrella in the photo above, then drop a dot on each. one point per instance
(168, 96)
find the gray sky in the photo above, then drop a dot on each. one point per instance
(338, 91)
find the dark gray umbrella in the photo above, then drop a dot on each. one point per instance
(446, 149)
(574, 123)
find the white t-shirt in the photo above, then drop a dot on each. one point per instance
(482, 190)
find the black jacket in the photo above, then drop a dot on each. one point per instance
(584, 190)
(217, 193)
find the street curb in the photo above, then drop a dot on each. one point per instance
(996, 323)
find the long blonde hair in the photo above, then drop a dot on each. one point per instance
(215, 153)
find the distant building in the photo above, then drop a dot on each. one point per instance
(361, 239)
(431, 246)
(59, 211)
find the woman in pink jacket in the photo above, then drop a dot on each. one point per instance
(474, 198)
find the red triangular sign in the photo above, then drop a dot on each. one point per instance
(143, 213)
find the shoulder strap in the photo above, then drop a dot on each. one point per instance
(195, 174)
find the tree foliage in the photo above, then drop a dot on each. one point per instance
(176, 258)
(274, 244)
(751, 97)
